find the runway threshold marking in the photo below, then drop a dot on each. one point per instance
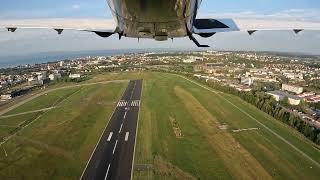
(127, 136)
(115, 146)
(107, 172)
(110, 136)
(131, 103)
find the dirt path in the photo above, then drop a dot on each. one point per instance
(28, 112)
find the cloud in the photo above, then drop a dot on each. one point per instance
(76, 6)
(288, 14)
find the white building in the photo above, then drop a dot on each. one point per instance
(290, 88)
(280, 95)
(74, 76)
(41, 75)
(54, 76)
(31, 79)
(246, 81)
(6, 97)
(190, 60)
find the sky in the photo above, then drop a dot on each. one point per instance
(35, 41)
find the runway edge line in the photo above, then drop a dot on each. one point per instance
(135, 141)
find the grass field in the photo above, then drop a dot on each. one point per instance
(59, 142)
(207, 150)
(44, 101)
(9, 124)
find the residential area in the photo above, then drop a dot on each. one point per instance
(293, 81)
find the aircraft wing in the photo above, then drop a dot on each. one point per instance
(208, 27)
(102, 27)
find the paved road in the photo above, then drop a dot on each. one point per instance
(113, 155)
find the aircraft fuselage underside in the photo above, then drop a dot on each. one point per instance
(157, 19)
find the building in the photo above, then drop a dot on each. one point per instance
(243, 88)
(212, 67)
(306, 94)
(280, 95)
(74, 76)
(310, 97)
(246, 81)
(33, 81)
(51, 77)
(5, 97)
(54, 76)
(61, 63)
(197, 75)
(291, 88)
(189, 60)
(264, 79)
(41, 75)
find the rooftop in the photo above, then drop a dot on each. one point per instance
(285, 94)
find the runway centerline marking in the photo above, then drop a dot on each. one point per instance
(110, 136)
(125, 114)
(115, 146)
(127, 136)
(107, 172)
(120, 128)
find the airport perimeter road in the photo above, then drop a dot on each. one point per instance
(113, 155)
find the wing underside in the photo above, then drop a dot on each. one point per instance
(102, 27)
(208, 27)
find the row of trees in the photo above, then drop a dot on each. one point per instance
(315, 105)
(269, 105)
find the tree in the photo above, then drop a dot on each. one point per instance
(285, 101)
(303, 104)
(286, 117)
(318, 139)
(308, 130)
(315, 105)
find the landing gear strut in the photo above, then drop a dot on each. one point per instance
(192, 38)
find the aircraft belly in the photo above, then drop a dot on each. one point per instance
(153, 18)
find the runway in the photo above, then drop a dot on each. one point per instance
(113, 155)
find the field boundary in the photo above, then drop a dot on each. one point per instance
(251, 117)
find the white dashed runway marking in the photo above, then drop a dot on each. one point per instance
(127, 136)
(110, 136)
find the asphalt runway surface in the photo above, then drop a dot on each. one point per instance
(113, 155)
